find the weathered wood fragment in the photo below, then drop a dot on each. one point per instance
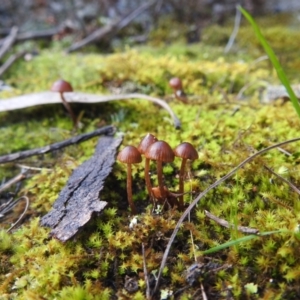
(79, 199)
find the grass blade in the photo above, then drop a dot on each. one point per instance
(240, 240)
(276, 64)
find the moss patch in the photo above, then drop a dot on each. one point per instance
(98, 262)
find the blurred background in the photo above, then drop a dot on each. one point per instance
(56, 19)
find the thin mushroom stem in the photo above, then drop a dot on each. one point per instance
(69, 109)
(147, 177)
(129, 189)
(181, 182)
(160, 179)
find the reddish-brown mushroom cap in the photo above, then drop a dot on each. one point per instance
(160, 151)
(186, 151)
(175, 83)
(146, 142)
(61, 86)
(130, 155)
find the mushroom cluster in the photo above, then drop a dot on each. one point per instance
(160, 152)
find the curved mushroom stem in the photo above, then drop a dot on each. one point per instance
(181, 183)
(160, 179)
(69, 109)
(147, 177)
(129, 189)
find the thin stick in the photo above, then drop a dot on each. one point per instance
(12, 181)
(33, 168)
(204, 297)
(226, 224)
(189, 219)
(8, 63)
(7, 206)
(112, 27)
(107, 130)
(235, 31)
(9, 41)
(292, 186)
(148, 294)
(22, 215)
(34, 35)
(201, 195)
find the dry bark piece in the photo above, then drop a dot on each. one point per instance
(79, 199)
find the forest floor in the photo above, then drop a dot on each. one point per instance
(241, 237)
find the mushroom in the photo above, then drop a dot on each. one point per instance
(176, 84)
(161, 152)
(62, 86)
(130, 155)
(147, 141)
(185, 151)
(169, 196)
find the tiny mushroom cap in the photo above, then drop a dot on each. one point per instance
(186, 151)
(130, 155)
(160, 151)
(61, 86)
(147, 141)
(175, 83)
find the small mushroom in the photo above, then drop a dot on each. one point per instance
(130, 155)
(62, 86)
(147, 141)
(169, 197)
(185, 151)
(176, 84)
(160, 151)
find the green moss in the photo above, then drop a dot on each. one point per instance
(95, 263)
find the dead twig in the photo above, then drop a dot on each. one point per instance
(237, 22)
(204, 297)
(107, 130)
(292, 186)
(284, 152)
(8, 63)
(201, 195)
(51, 98)
(112, 27)
(226, 224)
(33, 168)
(9, 41)
(12, 181)
(148, 294)
(7, 206)
(36, 35)
(22, 215)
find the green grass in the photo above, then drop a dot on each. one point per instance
(273, 58)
